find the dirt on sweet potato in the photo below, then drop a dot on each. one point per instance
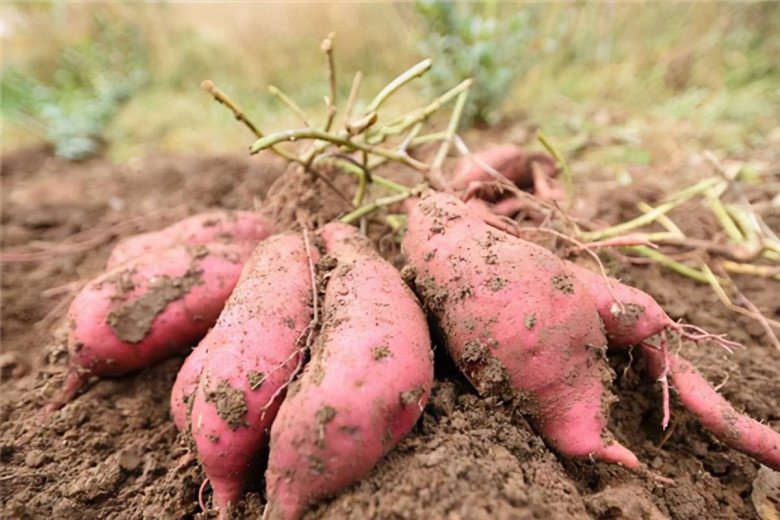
(132, 321)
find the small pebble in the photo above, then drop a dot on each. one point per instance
(35, 459)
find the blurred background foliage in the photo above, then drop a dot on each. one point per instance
(124, 78)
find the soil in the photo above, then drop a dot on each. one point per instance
(114, 452)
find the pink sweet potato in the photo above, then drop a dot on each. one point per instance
(148, 309)
(732, 428)
(518, 323)
(508, 160)
(248, 357)
(367, 382)
(219, 226)
(630, 317)
(185, 385)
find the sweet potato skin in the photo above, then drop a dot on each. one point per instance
(185, 385)
(518, 324)
(249, 356)
(218, 226)
(367, 382)
(148, 309)
(630, 316)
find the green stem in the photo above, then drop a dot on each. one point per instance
(378, 180)
(396, 221)
(224, 99)
(402, 123)
(624, 227)
(312, 133)
(665, 221)
(405, 122)
(452, 127)
(360, 193)
(414, 72)
(650, 216)
(714, 283)
(567, 176)
(378, 203)
(693, 190)
(771, 254)
(752, 269)
(327, 48)
(352, 97)
(665, 261)
(286, 100)
(428, 138)
(411, 136)
(728, 225)
(743, 221)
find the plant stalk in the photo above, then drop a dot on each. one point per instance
(415, 71)
(377, 204)
(312, 133)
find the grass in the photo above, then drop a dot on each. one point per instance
(609, 70)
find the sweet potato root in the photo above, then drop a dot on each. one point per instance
(248, 357)
(630, 317)
(147, 309)
(732, 428)
(517, 322)
(219, 226)
(369, 377)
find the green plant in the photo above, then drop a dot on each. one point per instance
(72, 108)
(464, 43)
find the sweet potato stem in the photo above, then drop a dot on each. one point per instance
(665, 221)
(402, 123)
(415, 71)
(670, 263)
(353, 91)
(327, 48)
(728, 225)
(561, 160)
(377, 204)
(452, 127)
(312, 133)
(289, 103)
(224, 99)
(435, 176)
(651, 216)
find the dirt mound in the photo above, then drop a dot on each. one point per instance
(113, 452)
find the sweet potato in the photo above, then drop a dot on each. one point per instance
(185, 385)
(219, 226)
(248, 357)
(508, 160)
(367, 382)
(147, 309)
(517, 322)
(630, 317)
(732, 428)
